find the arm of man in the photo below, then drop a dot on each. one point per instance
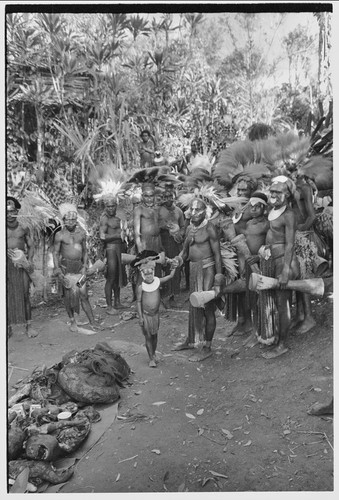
(168, 276)
(309, 207)
(30, 246)
(215, 245)
(103, 230)
(181, 223)
(84, 253)
(139, 308)
(183, 255)
(56, 252)
(137, 226)
(290, 227)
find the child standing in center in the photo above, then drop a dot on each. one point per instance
(148, 304)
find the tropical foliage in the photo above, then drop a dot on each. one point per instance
(81, 88)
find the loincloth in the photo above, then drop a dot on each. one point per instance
(201, 279)
(116, 247)
(151, 242)
(151, 322)
(72, 271)
(15, 294)
(268, 317)
(71, 266)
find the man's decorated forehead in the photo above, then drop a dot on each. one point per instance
(70, 216)
(111, 202)
(198, 205)
(148, 191)
(279, 187)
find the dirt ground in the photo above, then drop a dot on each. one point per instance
(232, 423)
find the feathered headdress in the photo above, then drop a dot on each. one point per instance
(320, 170)
(148, 175)
(263, 157)
(67, 208)
(109, 189)
(211, 197)
(203, 162)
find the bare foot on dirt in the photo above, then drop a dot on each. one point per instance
(73, 326)
(83, 323)
(321, 409)
(119, 306)
(152, 364)
(96, 326)
(295, 322)
(251, 341)
(243, 329)
(275, 352)
(306, 326)
(238, 327)
(31, 333)
(110, 311)
(181, 347)
(202, 354)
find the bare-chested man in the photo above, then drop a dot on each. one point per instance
(146, 221)
(245, 188)
(303, 206)
(256, 230)
(172, 229)
(70, 263)
(278, 256)
(110, 234)
(202, 248)
(18, 281)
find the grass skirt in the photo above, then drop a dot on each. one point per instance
(15, 294)
(268, 317)
(198, 275)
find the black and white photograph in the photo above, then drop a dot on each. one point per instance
(168, 260)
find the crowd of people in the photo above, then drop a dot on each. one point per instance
(197, 231)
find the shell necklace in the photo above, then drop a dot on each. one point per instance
(275, 213)
(151, 287)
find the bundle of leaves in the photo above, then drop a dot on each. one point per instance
(37, 214)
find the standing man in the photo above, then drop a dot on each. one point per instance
(18, 281)
(202, 248)
(306, 248)
(245, 188)
(146, 150)
(146, 221)
(278, 260)
(172, 230)
(110, 235)
(70, 263)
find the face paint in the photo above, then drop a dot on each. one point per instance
(11, 211)
(71, 221)
(278, 192)
(198, 212)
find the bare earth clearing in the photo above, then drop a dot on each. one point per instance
(232, 423)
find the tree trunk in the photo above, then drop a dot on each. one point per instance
(40, 141)
(44, 267)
